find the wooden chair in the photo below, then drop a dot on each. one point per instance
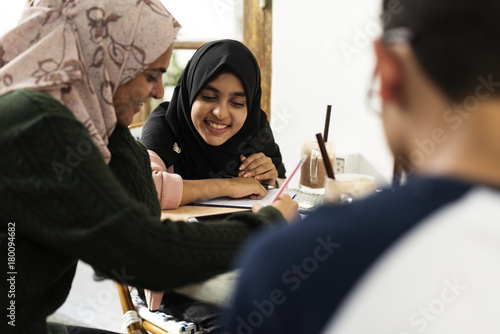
(134, 327)
(137, 324)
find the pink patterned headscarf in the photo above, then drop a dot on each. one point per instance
(80, 51)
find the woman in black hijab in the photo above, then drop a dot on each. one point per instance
(213, 132)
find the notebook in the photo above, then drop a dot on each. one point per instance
(245, 202)
(307, 202)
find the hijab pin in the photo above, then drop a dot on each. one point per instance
(177, 149)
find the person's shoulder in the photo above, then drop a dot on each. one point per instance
(406, 204)
(28, 103)
(23, 97)
(161, 109)
(156, 121)
(123, 144)
(390, 213)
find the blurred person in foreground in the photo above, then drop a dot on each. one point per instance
(423, 257)
(74, 184)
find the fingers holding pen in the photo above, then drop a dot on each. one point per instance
(286, 205)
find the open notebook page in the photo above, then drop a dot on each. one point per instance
(241, 202)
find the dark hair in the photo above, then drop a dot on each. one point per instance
(455, 41)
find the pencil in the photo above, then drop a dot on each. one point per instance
(302, 159)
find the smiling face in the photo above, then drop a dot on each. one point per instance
(130, 97)
(220, 109)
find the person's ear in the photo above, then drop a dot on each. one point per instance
(389, 70)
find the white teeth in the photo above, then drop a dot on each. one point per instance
(139, 104)
(217, 126)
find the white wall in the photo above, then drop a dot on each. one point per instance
(10, 14)
(310, 71)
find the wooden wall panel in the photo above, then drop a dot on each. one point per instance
(258, 37)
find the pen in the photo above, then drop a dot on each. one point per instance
(302, 159)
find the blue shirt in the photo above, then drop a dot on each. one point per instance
(294, 279)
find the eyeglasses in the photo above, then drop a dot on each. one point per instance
(373, 99)
(391, 36)
(398, 35)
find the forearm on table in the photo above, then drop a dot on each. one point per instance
(199, 190)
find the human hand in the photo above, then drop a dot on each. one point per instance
(239, 187)
(286, 205)
(259, 167)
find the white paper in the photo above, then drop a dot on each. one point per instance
(241, 202)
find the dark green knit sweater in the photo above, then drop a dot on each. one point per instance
(63, 203)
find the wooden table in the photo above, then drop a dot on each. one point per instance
(186, 211)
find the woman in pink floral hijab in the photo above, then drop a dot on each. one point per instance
(80, 52)
(69, 73)
(74, 184)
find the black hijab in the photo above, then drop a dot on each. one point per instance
(169, 130)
